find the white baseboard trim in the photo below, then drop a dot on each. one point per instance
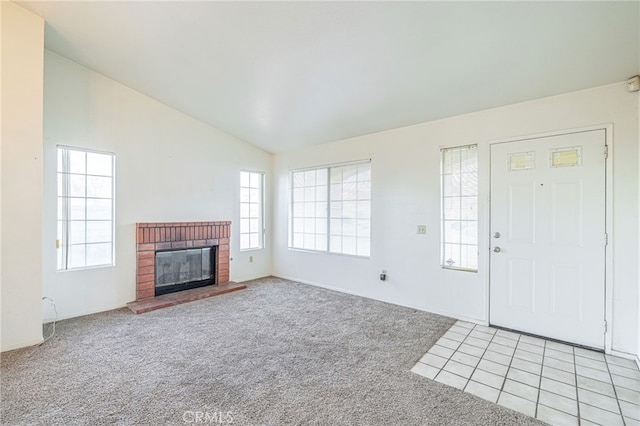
(366, 296)
(24, 344)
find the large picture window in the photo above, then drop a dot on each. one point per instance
(331, 209)
(459, 177)
(85, 208)
(251, 210)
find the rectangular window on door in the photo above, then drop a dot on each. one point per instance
(251, 210)
(459, 208)
(85, 208)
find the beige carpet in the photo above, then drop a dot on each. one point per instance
(277, 353)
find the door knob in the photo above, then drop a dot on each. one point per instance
(496, 235)
(497, 249)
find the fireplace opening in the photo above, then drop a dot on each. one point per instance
(183, 269)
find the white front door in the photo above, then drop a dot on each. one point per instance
(547, 274)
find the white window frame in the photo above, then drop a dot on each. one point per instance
(245, 211)
(458, 196)
(68, 218)
(323, 208)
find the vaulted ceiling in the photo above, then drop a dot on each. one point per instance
(285, 75)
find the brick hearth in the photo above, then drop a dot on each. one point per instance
(175, 235)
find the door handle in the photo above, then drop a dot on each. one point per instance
(496, 235)
(497, 249)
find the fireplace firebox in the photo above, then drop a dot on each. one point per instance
(184, 269)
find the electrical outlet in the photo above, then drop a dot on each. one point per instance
(422, 229)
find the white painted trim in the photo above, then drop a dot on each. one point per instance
(355, 293)
(625, 355)
(608, 280)
(23, 344)
(608, 128)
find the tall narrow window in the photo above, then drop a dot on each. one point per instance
(251, 210)
(85, 208)
(331, 209)
(459, 177)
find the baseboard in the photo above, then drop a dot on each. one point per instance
(24, 344)
(355, 293)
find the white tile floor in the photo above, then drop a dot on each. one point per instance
(556, 383)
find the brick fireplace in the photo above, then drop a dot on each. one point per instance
(178, 235)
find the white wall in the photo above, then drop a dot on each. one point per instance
(169, 167)
(21, 176)
(406, 191)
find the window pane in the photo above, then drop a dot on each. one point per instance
(321, 193)
(364, 209)
(349, 209)
(321, 210)
(336, 209)
(77, 256)
(99, 164)
(336, 226)
(451, 185)
(98, 254)
(244, 179)
(77, 232)
(363, 228)
(364, 173)
(349, 245)
(349, 227)
(244, 195)
(363, 247)
(77, 185)
(298, 179)
(309, 209)
(77, 162)
(98, 231)
(310, 178)
(349, 174)
(336, 191)
(321, 226)
(336, 243)
(254, 210)
(321, 242)
(98, 186)
(310, 193)
(244, 240)
(254, 195)
(364, 189)
(77, 208)
(309, 241)
(321, 177)
(99, 209)
(244, 209)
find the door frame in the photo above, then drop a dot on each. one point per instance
(608, 284)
